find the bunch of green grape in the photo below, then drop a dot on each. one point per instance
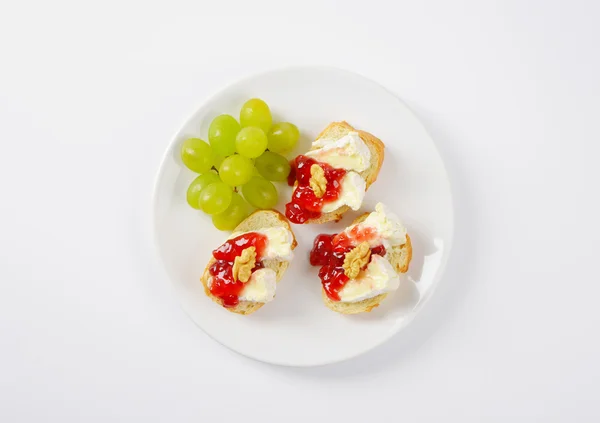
(242, 157)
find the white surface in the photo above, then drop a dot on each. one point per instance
(297, 329)
(89, 95)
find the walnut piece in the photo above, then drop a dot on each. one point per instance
(317, 181)
(243, 265)
(356, 259)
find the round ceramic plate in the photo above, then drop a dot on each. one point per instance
(296, 329)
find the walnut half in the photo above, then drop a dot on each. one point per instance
(317, 181)
(243, 265)
(356, 259)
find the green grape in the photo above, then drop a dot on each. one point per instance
(273, 166)
(215, 198)
(237, 211)
(236, 170)
(251, 142)
(255, 112)
(197, 155)
(217, 160)
(197, 185)
(283, 137)
(261, 193)
(221, 134)
(255, 172)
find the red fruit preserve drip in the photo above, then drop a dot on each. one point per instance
(379, 250)
(329, 252)
(223, 285)
(305, 204)
(322, 250)
(356, 235)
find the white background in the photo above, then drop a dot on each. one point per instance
(90, 95)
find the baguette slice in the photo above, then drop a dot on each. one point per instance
(258, 220)
(337, 130)
(400, 257)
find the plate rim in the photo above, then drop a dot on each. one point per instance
(408, 319)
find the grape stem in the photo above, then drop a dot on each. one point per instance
(217, 170)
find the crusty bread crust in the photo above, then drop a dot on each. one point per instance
(257, 220)
(336, 130)
(400, 258)
(363, 306)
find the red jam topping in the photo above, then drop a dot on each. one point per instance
(223, 285)
(355, 235)
(329, 252)
(305, 204)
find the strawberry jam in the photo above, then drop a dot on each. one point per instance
(329, 252)
(305, 204)
(355, 235)
(223, 285)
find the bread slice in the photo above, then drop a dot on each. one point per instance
(337, 130)
(399, 258)
(257, 220)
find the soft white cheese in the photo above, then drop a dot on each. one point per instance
(349, 152)
(263, 282)
(378, 278)
(261, 286)
(386, 226)
(352, 193)
(279, 245)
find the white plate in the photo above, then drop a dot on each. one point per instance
(296, 329)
